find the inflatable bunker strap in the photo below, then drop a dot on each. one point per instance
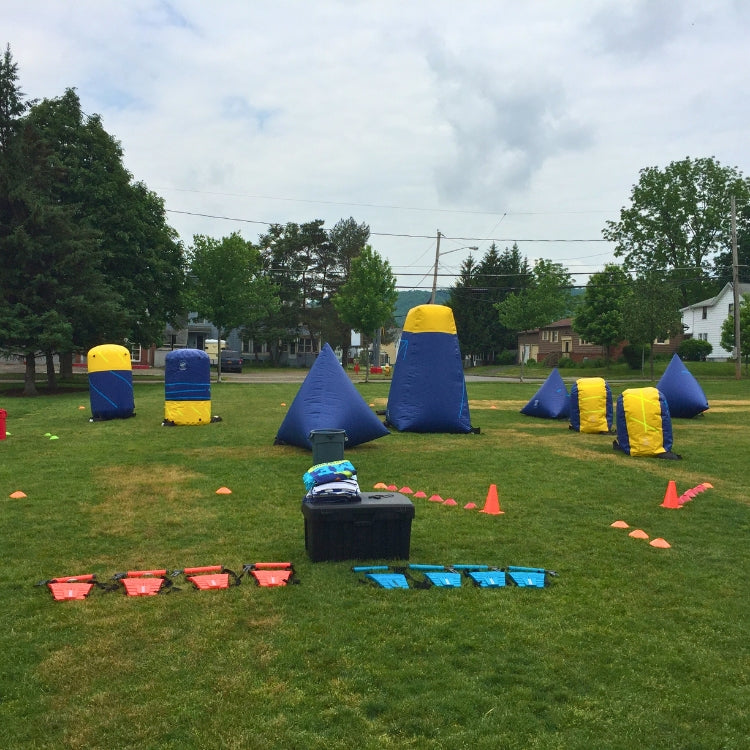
(144, 582)
(65, 588)
(268, 574)
(529, 577)
(208, 577)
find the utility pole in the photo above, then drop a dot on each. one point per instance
(434, 275)
(736, 294)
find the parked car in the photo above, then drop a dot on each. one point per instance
(231, 361)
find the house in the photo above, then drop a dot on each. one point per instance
(550, 343)
(704, 319)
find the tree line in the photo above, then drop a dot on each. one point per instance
(88, 256)
(675, 245)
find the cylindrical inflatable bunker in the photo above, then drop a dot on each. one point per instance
(644, 427)
(110, 382)
(187, 387)
(428, 390)
(591, 406)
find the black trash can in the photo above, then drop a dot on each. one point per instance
(327, 445)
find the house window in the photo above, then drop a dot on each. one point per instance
(704, 313)
(555, 335)
(731, 308)
(703, 336)
(135, 353)
(661, 341)
(545, 335)
(307, 345)
(582, 342)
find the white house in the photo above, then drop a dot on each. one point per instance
(703, 320)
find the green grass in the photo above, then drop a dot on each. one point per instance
(629, 647)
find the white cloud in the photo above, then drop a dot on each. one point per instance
(489, 119)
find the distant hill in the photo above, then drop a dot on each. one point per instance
(413, 298)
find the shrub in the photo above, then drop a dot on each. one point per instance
(694, 350)
(597, 362)
(531, 363)
(565, 362)
(506, 357)
(635, 355)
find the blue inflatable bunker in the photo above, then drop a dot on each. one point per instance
(428, 389)
(110, 382)
(551, 401)
(187, 387)
(591, 406)
(328, 400)
(682, 391)
(644, 427)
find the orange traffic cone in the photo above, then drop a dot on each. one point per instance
(671, 500)
(492, 504)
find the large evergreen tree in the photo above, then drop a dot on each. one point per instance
(47, 255)
(479, 288)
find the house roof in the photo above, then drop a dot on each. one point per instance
(743, 289)
(562, 323)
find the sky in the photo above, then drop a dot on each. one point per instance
(483, 120)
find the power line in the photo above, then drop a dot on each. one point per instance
(396, 234)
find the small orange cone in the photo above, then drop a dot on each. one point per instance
(638, 534)
(671, 500)
(380, 486)
(492, 504)
(470, 506)
(392, 488)
(223, 491)
(420, 494)
(17, 494)
(619, 525)
(435, 499)
(660, 543)
(450, 501)
(406, 490)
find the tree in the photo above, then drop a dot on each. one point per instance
(140, 257)
(600, 316)
(652, 312)
(546, 299)
(479, 288)
(727, 331)
(678, 219)
(723, 262)
(47, 255)
(227, 284)
(89, 255)
(367, 299)
(348, 240)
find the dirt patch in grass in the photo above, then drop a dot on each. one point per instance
(146, 500)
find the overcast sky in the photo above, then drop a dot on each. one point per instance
(493, 119)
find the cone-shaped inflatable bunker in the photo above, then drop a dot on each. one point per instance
(187, 387)
(110, 382)
(644, 427)
(591, 406)
(684, 396)
(327, 399)
(551, 401)
(428, 389)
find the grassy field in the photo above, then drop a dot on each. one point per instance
(629, 647)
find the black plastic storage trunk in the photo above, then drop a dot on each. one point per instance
(377, 527)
